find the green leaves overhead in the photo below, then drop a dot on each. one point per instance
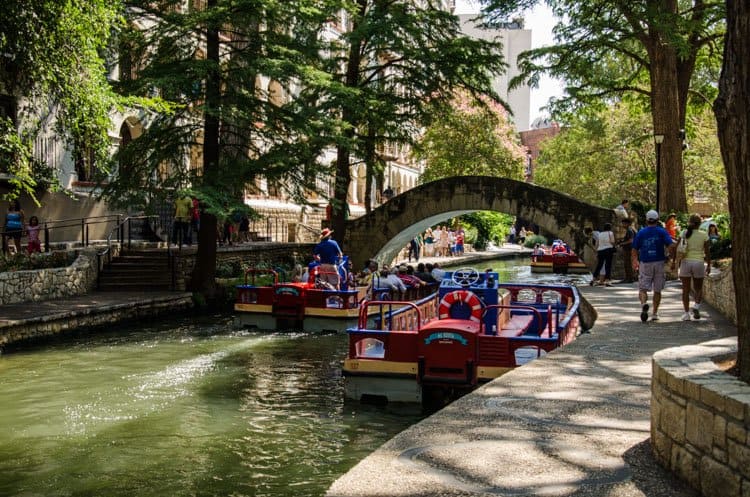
(53, 55)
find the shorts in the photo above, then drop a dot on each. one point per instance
(692, 269)
(651, 276)
(329, 274)
(14, 233)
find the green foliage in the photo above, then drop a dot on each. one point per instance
(471, 137)
(532, 240)
(606, 154)
(53, 55)
(490, 227)
(262, 131)
(22, 261)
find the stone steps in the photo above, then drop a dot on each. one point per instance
(137, 270)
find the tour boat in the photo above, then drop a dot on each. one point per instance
(305, 306)
(472, 331)
(559, 258)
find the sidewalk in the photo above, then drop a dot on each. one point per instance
(574, 423)
(32, 320)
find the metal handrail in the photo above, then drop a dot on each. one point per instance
(83, 222)
(120, 230)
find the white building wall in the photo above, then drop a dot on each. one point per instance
(514, 42)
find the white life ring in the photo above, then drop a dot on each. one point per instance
(460, 297)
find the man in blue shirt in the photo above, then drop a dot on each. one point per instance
(649, 255)
(329, 252)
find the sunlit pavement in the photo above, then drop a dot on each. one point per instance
(573, 423)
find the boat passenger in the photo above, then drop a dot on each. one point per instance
(385, 281)
(410, 280)
(329, 252)
(437, 272)
(423, 274)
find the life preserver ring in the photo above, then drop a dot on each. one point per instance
(461, 297)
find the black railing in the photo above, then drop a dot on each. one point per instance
(119, 233)
(76, 229)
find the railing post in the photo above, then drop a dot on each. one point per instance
(46, 237)
(83, 231)
(130, 232)
(86, 244)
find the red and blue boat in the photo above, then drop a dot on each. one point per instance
(471, 331)
(264, 302)
(558, 258)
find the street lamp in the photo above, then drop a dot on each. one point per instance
(658, 139)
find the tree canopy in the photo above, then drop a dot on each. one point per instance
(471, 138)
(604, 155)
(53, 60)
(607, 49)
(399, 62)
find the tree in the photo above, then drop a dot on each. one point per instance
(609, 48)
(471, 138)
(52, 61)
(734, 136)
(604, 155)
(395, 66)
(198, 68)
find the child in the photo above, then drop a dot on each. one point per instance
(32, 229)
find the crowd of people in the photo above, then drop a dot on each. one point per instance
(331, 269)
(647, 252)
(443, 241)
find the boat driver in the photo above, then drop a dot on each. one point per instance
(329, 252)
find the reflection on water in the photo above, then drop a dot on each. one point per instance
(189, 407)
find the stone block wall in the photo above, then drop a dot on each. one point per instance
(51, 283)
(700, 418)
(290, 221)
(250, 254)
(718, 290)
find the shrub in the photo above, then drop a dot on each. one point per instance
(534, 239)
(22, 261)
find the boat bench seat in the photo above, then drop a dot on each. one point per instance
(516, 325)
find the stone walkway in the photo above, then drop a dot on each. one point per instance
(575, 423)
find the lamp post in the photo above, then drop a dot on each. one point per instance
(658, 139)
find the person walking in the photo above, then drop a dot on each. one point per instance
(605, 250)
(648, 258)
(626, 244)
(693, 250)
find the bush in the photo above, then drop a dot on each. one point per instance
(22, 261)
(534, 239)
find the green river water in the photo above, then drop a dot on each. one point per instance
(186, 407)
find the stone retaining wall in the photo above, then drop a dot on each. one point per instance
(700, 418)
(72, 320)
(718, 290)
(252, 254)
(51, 283)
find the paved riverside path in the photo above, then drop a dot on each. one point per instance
(36, 320)
(575, 423)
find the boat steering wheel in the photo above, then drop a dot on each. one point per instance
(466, 276)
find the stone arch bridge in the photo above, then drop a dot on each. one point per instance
(388, 228)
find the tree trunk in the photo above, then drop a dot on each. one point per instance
(204, 272)
(731, 109)
(665, 105)
(343, 152)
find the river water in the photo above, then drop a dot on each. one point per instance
(187, 407)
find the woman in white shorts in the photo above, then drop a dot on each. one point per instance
(693, 251)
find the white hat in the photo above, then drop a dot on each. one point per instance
(652, 215)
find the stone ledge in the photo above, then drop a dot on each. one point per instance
(700, 418)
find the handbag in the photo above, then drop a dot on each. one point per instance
(682, 246)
